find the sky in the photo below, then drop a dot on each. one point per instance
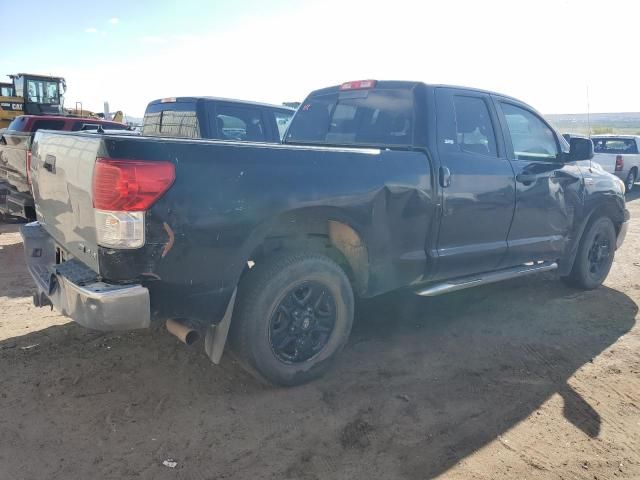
(548, 53)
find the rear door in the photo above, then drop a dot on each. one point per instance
(476, 181)
(548, 191)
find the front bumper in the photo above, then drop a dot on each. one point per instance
(76, 291)
(623, 229)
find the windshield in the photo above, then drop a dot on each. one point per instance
(45, 92)
(364, 117)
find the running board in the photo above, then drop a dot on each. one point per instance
(485, 278)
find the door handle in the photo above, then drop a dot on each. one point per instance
(526, 178)
(50, 163)
(444, 175)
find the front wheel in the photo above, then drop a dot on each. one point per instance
(595, 255)
(294, 314)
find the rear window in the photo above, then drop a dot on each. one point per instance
(615, 145)
(47, 125)
(83, 125)
(177, 119)
(361, 117)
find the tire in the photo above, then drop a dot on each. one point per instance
(630, 180)
(595, 255)
(304, 299)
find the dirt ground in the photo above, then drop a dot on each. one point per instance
(524, 379)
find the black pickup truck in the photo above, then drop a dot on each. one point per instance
(379, 186)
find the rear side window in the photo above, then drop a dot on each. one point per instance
(240, 123)
(531, 138)
(615, 145)
(171, 120)
(283, 118)
(474, 131)
(47, 125)
(363, 117)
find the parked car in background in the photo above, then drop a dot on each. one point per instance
(216, 118)
(620, 155)
(15, 154)
(379, 186)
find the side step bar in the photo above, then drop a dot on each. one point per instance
(485, 278)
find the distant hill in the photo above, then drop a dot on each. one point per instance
(628, 123)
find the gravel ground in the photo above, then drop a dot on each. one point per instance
(524, 379)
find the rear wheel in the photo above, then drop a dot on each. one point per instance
(294, 314)
(630, 180)
(595, 255)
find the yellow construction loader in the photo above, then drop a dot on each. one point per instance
(30, 94)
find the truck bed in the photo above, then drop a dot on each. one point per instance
(225, 198)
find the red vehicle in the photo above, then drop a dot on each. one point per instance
(15, 156)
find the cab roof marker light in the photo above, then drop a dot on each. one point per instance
(168, 100)
(358, 85)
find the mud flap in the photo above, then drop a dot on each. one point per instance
(216, 337)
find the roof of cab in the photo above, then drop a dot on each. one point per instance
(219, 99)
(405, 84)
(615, 135)
(69, 118)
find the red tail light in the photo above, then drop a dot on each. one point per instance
(130, 185)
(358, 85)
(619, 163)
(28, 167)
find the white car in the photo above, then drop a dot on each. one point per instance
(620, 155)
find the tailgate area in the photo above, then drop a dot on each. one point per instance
(76, 291)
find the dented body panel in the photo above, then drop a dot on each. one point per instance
(227, 195)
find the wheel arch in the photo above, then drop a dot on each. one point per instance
(326, 230)
(609, 207)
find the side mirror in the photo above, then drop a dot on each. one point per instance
(580, 149)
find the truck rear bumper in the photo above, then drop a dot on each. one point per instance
(75, 290)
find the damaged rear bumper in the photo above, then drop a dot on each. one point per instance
(76, 291)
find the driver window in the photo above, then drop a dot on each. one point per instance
(531, 138)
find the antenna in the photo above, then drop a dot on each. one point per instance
(588, 113)
(589, 126)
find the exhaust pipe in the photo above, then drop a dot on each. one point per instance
(186, 335)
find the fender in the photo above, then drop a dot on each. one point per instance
(611, 207)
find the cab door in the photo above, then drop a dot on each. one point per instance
(476, 184)
(548, 190)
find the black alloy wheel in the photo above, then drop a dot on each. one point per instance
(303, 322)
